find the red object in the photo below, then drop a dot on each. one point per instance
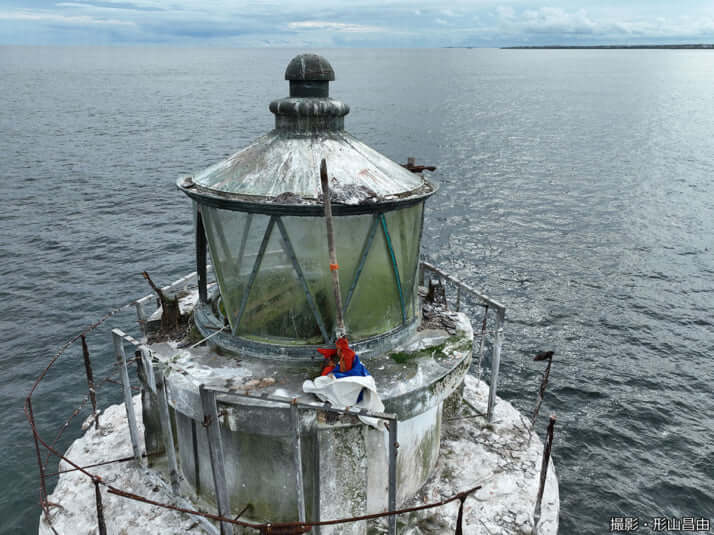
(334, 267)
(347, 356)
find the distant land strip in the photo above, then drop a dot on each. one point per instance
(609, 47)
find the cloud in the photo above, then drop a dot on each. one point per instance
(555, 20)
(558, 25)
(332, 26)
(57, 18)
(376, 23)
(505, 12)
(123, 6)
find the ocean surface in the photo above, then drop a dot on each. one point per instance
(576, 187)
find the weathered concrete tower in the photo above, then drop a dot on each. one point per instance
(260, 215)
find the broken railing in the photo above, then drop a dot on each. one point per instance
(487, 304)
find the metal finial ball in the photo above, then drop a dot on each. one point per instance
(309, 67)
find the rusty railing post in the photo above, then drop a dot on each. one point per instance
(545, 355)
(393, 446)
(100, 508)
(316, 483)
(543, 472)
(43, 485)
(90, 381)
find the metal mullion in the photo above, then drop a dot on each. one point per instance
(288, 248)
(244, 240)
(394, 265)
(416, 269)
(362, 260)
(201, 273)
(217, 225)
(254, 272)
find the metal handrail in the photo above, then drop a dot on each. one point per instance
(156, 382)
(486, 300)
(487, 303)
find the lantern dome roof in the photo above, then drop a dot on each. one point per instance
(283, 166)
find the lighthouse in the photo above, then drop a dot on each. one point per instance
(307, 244)
(260, 223)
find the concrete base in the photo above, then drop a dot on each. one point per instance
(345, 463)
(498, 456)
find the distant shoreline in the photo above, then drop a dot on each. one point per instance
(610, 47)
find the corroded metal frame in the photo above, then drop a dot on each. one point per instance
(395, 267)
(260, 205)
(210, 317)
(379, 219)
(288, 248)
(208, 322)
(254, 273)
(362, 260)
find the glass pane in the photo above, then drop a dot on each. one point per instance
(375, 306)
(233, 241)
(277, 309)
(404, 229)
(309, 238)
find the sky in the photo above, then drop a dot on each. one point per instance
(357, 23)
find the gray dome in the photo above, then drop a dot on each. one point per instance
(278, 163)
(283, 166)
(309, 67)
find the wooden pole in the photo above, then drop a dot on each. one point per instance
(340, 331)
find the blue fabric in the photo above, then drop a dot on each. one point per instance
(358, 370)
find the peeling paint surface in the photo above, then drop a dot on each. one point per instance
(279, 163)
(498, 457)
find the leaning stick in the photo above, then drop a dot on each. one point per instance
(334, 268)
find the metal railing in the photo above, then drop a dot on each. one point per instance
(156, 382)
(488, 304)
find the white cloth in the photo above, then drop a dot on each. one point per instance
(343, 392)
